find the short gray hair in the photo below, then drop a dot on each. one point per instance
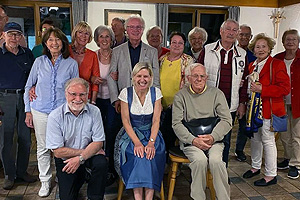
(246, 26)
(75, 81)
(229, 20)
(135, 17)
(188, 69)
(100, 29)
(197, 29)
(153, 28)
(142, 65)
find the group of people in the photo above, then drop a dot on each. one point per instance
(143, 92)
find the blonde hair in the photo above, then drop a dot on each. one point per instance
(82, 26)
(142, 65)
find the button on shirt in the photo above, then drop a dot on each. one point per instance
(50, 81)
(64, 129)
(14, 69)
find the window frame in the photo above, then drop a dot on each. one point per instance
(36, 7)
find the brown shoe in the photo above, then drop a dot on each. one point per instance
(28, 178)
(8, 184)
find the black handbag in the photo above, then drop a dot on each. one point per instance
(201, 126)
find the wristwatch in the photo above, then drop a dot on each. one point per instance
(152, 140)
(81, 159)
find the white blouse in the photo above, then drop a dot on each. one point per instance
(136, 107)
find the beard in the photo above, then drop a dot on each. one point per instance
(76, 106)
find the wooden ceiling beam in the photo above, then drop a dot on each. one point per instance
(252, 3)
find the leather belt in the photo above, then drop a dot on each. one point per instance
(12, 91)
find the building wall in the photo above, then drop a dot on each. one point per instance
(292, 21)
(259, 21)
(258, 18)
(96, 15)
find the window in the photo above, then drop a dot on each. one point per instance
(29, 14)
(183, 19)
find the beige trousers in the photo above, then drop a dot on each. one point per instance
(199, 161)
(291, 139)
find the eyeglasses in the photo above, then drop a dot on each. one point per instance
(197, 76)
(177, 43)
(2, 17)
(135, 27)
(291, 40)
(44, 30)
(12, 34)
(81, 95)
(246, 35)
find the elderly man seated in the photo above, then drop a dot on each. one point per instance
(194, 101)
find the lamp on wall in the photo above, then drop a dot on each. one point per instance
(277, 16)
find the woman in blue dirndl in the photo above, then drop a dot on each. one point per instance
(140, 148)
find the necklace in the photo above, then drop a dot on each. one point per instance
(172, 59)
(105, 57)
(76, 52)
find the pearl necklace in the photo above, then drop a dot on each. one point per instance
(105, 57)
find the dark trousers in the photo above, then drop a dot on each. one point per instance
(14, 164)
(70, 184)
(167, 130)
(226, 140)
(241, 139)
(112, 124)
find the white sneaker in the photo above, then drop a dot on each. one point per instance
(45, 189)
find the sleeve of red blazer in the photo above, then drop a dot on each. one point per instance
(280, 81)
(95, 71)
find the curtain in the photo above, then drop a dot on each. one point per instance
(79, 10)
(162, 18)
(234, 13)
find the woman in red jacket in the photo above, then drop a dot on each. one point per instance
(291, 139)
(272, 96)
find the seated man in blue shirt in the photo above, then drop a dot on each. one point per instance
(75, 134)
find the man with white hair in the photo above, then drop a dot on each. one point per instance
(192, 102)
(16, 63)
(226, 63)
(125, 56)
(75, 134)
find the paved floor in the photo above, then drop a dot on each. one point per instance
(241, 189)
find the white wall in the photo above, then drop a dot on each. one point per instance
(292, 21)
(96, 15)
(259, 20)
